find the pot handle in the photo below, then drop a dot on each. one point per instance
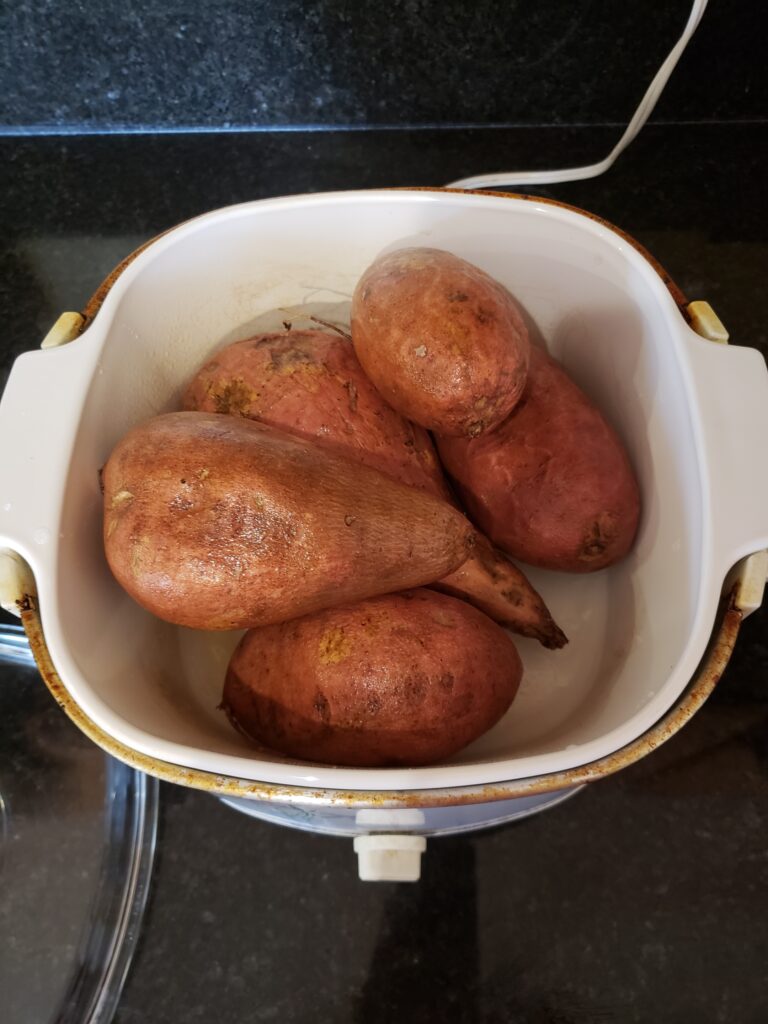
(39, 419)
(732, 385)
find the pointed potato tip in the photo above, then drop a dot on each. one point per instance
(552, 637)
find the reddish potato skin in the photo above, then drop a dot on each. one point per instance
(496, 586)
(552, 485)
(311, 384)
(406, 679)
(442, 341)
(217, 522)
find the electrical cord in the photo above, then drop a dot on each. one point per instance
(641, 115)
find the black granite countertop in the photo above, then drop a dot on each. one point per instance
(645, 897)
(86, 67)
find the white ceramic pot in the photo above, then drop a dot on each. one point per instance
(691, 413)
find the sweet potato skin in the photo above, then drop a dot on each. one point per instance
(405, 679)
(217, 522)
(495, 585)
(310, 383)
(552, 485)
(442, 341)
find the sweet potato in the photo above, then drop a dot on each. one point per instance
(310, 383)
(405, 679)
(552, 485)
(217, 522)
(442, 341)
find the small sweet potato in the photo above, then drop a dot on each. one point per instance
(552, 485)
(442, 341)
(405, 679)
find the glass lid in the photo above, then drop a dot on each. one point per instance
(77, 837)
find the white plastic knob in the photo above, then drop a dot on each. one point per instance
(393, 858)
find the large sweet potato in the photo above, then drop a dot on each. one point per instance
(217, 522)
(310, 383)
(442, 341)
(552, 485)
(405, 679)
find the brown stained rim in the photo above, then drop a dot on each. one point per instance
(706, 677)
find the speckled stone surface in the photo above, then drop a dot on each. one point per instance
(360, 62)
(645, 898)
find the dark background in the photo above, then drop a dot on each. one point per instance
(75, 66)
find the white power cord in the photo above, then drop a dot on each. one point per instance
(639, 118)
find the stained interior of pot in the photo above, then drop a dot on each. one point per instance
(587, 303)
